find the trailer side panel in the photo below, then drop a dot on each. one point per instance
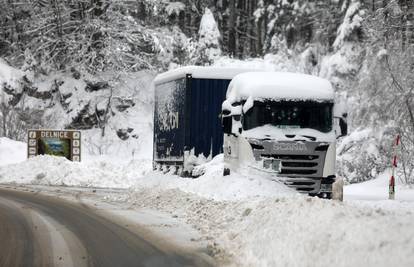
(169, 125)
(205, 131)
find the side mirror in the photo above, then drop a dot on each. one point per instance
(227, 124)
(226, 121)
(343, 125)
(230, 116)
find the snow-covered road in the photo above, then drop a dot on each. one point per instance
(46, 230)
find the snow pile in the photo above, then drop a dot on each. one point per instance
(12, 151)
(49, 170)
(290, 230)
(212, 185)
(295, 232)
(107, 172)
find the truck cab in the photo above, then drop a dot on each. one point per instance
(282, 125)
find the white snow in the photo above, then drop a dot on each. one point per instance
(200, 72)
(95, 172)
(352, 21)
(377, 189)
(109, 173)
(174, 8)
(278, 86)
(248, 220)
(277, 133)
(8, 74)
(12, 151)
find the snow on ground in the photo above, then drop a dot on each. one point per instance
(248, 220)
(292, 229)
(12, 151)
(49, 170)
(377, 189)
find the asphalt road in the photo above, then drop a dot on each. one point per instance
(38, 230)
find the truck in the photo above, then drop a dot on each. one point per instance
(284, 126)
(187, 123)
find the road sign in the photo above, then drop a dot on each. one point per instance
(64, 143)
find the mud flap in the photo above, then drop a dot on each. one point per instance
(338, 189)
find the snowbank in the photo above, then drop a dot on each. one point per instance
(291, 230)
(12, 151)
(104, 171)
(49, 170)
(137, 174)
(212, 185)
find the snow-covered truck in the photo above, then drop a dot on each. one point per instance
(187, 124)
(282, 124)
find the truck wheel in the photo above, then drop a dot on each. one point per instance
(226, 171)
(338, 189)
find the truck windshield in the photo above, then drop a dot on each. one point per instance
(290, 114)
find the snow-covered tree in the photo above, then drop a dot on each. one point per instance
(208, 40)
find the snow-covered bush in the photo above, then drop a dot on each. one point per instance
(364, 154)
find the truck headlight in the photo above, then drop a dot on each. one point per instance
(272, 164)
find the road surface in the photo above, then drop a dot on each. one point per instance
(37, 230)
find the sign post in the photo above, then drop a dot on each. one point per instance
(64, 143)
(391, 186)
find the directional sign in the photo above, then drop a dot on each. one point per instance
(64, 143)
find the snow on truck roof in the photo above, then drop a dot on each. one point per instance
(201, 72)
(278, 85)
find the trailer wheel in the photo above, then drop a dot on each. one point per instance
(226, 171)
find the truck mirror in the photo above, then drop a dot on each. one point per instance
(343, 125)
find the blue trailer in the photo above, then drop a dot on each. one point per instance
(187, 124)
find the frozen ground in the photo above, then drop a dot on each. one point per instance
(245, 220)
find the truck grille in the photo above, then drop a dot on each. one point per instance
(303, 185)
(298, 165)
(301, 170)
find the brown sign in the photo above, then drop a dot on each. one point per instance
(64, 143)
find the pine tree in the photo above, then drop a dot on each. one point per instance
(209, 39)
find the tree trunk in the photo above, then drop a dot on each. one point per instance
(232, 29)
